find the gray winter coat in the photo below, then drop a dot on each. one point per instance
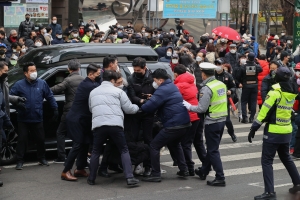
(8, 98)
(69, 86)
(107, 104)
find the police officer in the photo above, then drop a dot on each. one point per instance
(227, 79)
(212, 102)
(276, 112)
(249, 81)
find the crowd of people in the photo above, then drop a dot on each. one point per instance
(212, 76)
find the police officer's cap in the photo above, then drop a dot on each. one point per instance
(219, 61)
(206, 66)
(283, 73)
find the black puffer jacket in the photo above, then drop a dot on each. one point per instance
(198, 75)
(138, 86)
(25, 28)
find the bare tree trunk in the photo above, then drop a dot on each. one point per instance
(288, 14)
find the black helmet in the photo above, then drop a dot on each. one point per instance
(283, 74)
(219, 61)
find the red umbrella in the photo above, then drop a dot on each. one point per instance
(226, 32)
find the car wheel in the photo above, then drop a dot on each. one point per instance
(8, 152)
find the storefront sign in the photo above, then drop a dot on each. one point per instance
(190, 9)
(14, 15)
(37, 11)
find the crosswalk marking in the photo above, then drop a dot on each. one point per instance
(241, 134)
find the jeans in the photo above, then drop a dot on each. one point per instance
(38, 130)
(116, 134)
(173, 137)
(79, 151)
(268, 154)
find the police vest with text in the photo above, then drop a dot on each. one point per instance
(218, 101)
(250, 76)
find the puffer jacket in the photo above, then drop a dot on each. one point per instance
(107, 104)
(25, 28)
(168, 101)
(211, 57)
(69, 86)
(232, 59)
(265, 67)
(198, 75)
(189, 91)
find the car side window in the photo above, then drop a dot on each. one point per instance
(57, 77)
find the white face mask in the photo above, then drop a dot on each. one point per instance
(120, 86)
(158, 35)
(91, 28)
(146, 34)
(44, 31)
(115, 36)
(198, 59)
(210, 41)
(75, 35)
(171, 33)
(38, 44)
(54, 21)
(218, 68)
(244, 45)
(33, 76)
(174, 61)
(129, 25)
(14, 50)
(243, 61)
(289, 42)
(278, 56)
(183, 24)
(23, 50)
(59, 36)
(297, 73)
(154, 85)
(169, 53)
(143, 31)
(282, 34)
(232, 50)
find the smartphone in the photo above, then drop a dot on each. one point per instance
(92, 20)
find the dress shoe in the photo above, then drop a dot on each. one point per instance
(132, 181)
(43, 162)
(80, 173)
(191, 172)
(147, 172)
(183, 173)
(200, 173)
(233, 137)
(68, 176)
(116, 168)
(294, 189)
(266, 196)
(19, 166)
(244, 121)
(152, 178)
(1, 183)
(90, 182)
(216, 183)
(104, 174)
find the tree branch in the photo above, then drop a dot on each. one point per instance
(291, 4)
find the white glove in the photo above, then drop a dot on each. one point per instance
(186, 104)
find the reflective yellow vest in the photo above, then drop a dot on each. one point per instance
(283, 102)
(218, 102)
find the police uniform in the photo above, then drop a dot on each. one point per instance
(213, 103)
(276, 111)
(248, 78)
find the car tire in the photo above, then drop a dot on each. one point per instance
(8, 154)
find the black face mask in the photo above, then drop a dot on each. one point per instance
(27, 18)
(272, 73)
(97, 79)
(2, 52)
(139, 75)
(3, 76)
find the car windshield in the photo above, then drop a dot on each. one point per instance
(17, 74)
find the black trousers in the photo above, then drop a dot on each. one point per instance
(60, 136)
(268, 154)
(228, 123)
(1, 132)
(79, 151)
(249, 96)
(39, 135)
(198, 139)
(116, 134)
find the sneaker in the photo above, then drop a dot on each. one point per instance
(59, 160)
(291, 150)
(43, 162)
(183, 173)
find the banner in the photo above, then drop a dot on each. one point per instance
(37, 11)
(14, 14)
(190, 9)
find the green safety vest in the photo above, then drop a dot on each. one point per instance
(283, 102)
(118, 39)
(158, 45)
(218, 102)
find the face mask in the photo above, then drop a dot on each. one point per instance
(158, 35)
(219, 68)
(222, 40)
(272, 73)
(115, 36)
(33, 76)
(27, 18)
(44, 31)
(146, 34)
(38, 44)
(91, 28)
(243, 61)
(183, 24)
(90, 34)
(2, 52)
(244, 45)
(143, 31)
(298, 81)
(97, 79)
(282, 34)
(14, 50)
(118, 26)
(120, 86)
(23, 50)
(297, 73)
(139, 75)
(174, 61)
(169, 53)
(198, 59)
(129, 25)
(75, 35)
(59, 36)
(54, 21)
(289, 42)
(232, 50)
(154, 85)
(4, 75)
(278, 56)
(210, 41)
(171, 33)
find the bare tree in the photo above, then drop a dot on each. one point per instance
(288, 14)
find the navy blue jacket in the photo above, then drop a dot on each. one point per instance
(57, 41)
(79, 117)
(35, 92)
(168, 101)
(55, 28)
(161, 51)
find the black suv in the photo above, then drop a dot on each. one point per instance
(51, 63)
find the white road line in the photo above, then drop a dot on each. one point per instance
(241, 134)
(261, 185)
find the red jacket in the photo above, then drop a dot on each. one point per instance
(266, 70)
(186, 85)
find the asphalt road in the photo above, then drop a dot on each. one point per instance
(241, 162)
